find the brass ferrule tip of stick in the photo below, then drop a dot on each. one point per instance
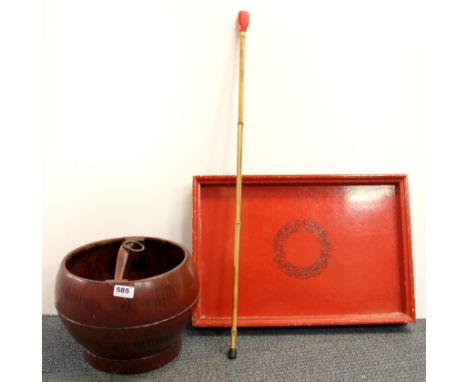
(232, 353)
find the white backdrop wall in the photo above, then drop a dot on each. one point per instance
(139, 96)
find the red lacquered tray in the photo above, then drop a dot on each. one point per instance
(315, 250)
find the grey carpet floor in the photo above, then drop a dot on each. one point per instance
(372, 353)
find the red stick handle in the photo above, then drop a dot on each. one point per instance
(243, 20)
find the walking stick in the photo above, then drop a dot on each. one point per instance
(243, 21)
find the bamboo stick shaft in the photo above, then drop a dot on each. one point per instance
(240, 130)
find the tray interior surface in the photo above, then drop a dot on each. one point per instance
(311, 253)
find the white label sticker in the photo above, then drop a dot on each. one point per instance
(125, 291)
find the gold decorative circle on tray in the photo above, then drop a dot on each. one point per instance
(290, 269)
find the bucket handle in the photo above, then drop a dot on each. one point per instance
(127, 247)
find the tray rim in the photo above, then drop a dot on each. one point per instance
(403, 211)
